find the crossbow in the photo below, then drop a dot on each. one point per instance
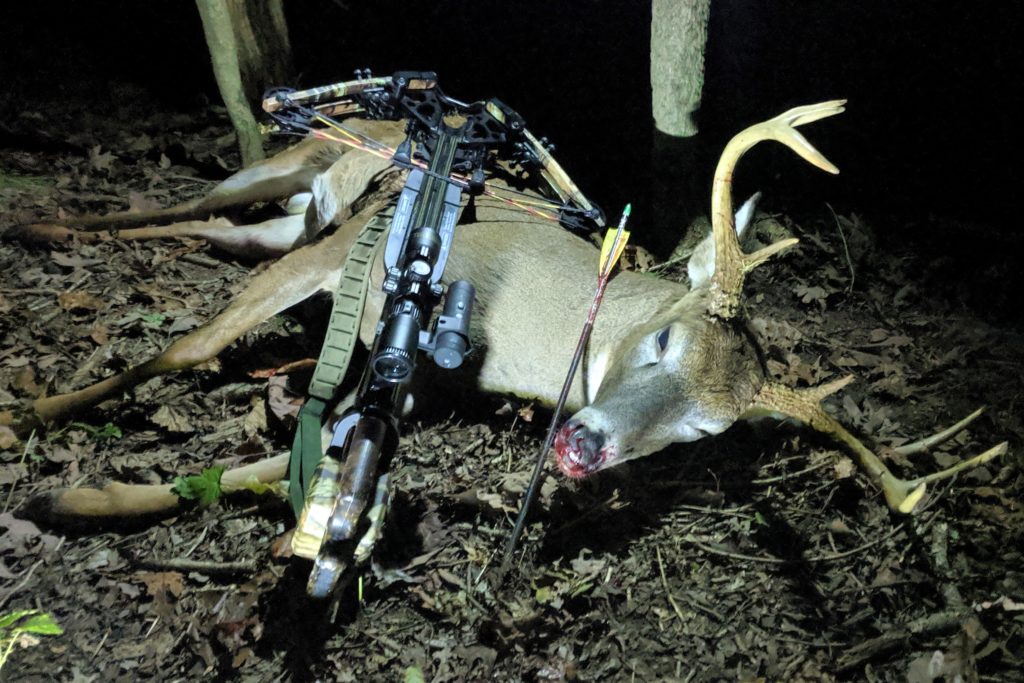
(491, 133)
(450, 147)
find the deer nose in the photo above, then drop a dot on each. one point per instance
(579, 449)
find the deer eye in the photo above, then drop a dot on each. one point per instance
(662, 340)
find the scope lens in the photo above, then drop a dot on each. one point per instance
(391, 367)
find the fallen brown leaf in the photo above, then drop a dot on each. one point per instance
(636, 258)
(25, 380)
(7, 438)
(100, 334)
(282, 402)
(100, 161)
(256, 420)
(76, 301)
(140, 202)
(72, 260)
(172, 419)
(844, 468)
(282, 545)
(160, 582)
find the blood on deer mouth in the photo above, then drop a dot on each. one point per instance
(578, 451)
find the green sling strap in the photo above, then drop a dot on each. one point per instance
(339, 342)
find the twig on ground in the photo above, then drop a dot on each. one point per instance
(99, 647)
(200, 260)
(664, 583)
(721, 512)
(24, 454)
(792, 475)
(940, 557)
(735, 556)
(925, 626)
(859, 549)
(21, 584)
(846, 249)
(778, 560)
(199, 540)
(202, 566)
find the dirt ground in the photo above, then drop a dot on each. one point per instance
(761, 554)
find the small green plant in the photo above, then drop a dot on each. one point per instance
(107, 432)
(203, 487)
(153, 319)
(21, 628)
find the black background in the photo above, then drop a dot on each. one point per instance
(934, 88)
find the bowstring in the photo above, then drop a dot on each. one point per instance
(525, 202)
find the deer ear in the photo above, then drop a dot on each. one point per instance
(594, 374)
(701, 265)
(745, 215)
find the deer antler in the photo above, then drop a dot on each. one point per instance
(902, 495)
(731, 264)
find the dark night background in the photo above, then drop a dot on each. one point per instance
(934, 89)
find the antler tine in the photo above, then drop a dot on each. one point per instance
(731, 264)
(902, 495)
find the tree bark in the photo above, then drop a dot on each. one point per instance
(264, 51)
(679, 31)
(220, 38)
(678, 36)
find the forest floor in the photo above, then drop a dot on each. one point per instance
(760, 554)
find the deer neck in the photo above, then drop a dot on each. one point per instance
(535, 283)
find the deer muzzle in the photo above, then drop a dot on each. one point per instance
(579, 450)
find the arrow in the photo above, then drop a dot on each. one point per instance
(614, 244)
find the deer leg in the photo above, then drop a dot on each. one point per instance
(290, 172)
(285, 174)
(117, 501)
(290, 280)
(269, 239)
(53, 232)
(902, 495)
(333, 192)
(332, 195)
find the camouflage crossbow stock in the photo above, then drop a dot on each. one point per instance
(458, 146)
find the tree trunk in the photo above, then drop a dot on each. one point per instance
(220, 38)
(679, 31)
(678, 36)
(264, 51)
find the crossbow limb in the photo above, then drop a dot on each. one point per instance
(493, 131)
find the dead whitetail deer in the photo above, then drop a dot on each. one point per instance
(665, 364)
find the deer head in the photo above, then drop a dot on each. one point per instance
(692, 370)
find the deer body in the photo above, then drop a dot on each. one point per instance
(665, 364)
